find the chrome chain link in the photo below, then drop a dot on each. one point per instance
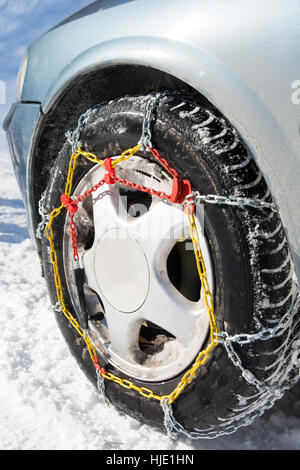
(263, 335)
(74, 136)
(173, 426)
(154, 100)
(44, 217)
(269, 394)
(197, 198)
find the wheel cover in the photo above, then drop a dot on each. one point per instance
(128, 289)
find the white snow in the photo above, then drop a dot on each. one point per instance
(45, 400)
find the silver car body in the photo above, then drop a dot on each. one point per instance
(243, 56)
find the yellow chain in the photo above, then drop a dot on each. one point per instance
(203, 356)
(57, 281)
(202, 272)
(146, 392)
(72, 166)
(53, 258)
(124, 156)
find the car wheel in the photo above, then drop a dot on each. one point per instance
(147, 318)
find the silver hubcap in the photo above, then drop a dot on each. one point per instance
(119, 268)
(141, 321)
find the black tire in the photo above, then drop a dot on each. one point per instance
(252, 264)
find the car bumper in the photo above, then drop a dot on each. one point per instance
(21, 126)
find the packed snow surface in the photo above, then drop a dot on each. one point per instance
(46, 402)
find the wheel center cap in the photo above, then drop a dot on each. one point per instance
(121, 270)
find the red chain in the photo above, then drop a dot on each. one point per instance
(97, 366)
(73, 237)
(180, 189)
(164, 162)
(88, 192)
(142, 188)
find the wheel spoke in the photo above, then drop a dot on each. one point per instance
(170, 310)
(88, 262)
(124, 330)
(158, 230)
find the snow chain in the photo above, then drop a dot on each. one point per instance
(183, 195)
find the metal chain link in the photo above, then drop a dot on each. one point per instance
(173, 426)
(74, 136)
(146, 137)
(44, 217)
(197, 198)
(154, 100)
(101, 387)
(271, 393)
(265, 333)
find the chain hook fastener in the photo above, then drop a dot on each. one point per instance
(110, 176)
(180, 189)
(98, 368)
(189, 202)
(72, 206)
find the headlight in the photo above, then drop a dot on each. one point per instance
(21, 76)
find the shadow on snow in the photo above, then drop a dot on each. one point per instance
(11, 232)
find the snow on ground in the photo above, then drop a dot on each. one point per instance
(45, 400)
